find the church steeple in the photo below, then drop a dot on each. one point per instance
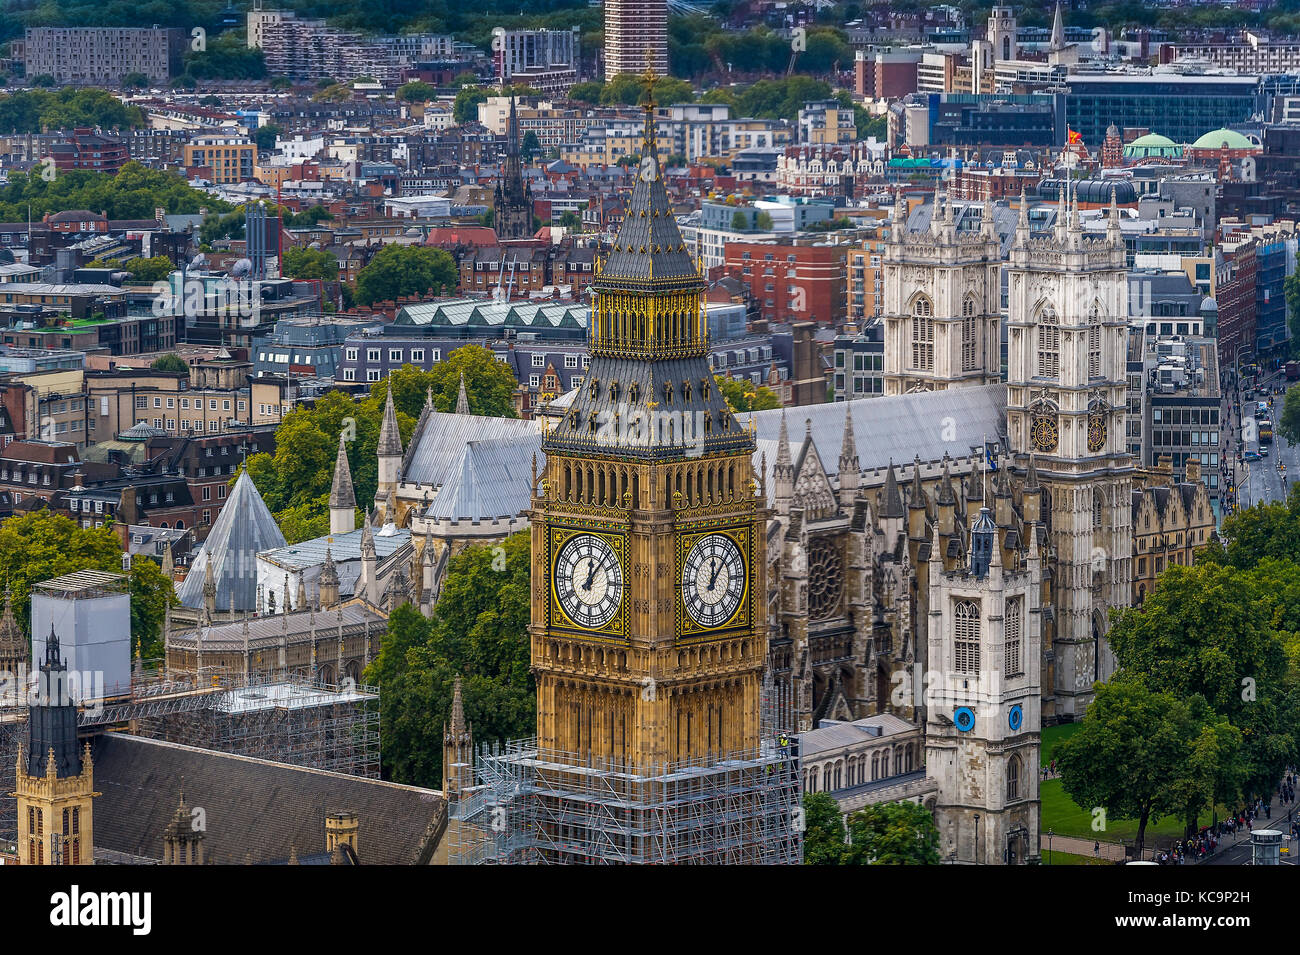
(389, 453)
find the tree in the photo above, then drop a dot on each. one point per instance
(823, 840)
(1291, 290)
(150, 270)
(311, 264)
(1269, 529)
(39, 545)
(172, 363)
(1131, 757)
(479, 632)
(400, 270)
(1288, 425)
(266, 136)
(628, 89)
(743, 395)
(489, 384)
(134, 193)
(892, 833)
(465, 107)
(571, 220)
(416, 91)
(763, 221)
(44, 80)
(530, 146)
(152, 592)
(136, 81)
(739, 221)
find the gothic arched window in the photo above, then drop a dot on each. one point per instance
(966, 637)
(922, 334)
(1011, 662)
(1013, 778)
(968, 334)
(1094, 342)
(1049, 344)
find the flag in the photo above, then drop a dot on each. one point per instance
(1074, 137)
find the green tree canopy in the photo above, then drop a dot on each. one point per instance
(892, 833)
(479, 632)
(416, 91)
(465, 107)
(743, 395)
(266, 136)
(172, 363)
(1133, 756)
(401, 270)
(134, 193)
(40, 545)
(311, 264)
(823, 840)
(1288, 425)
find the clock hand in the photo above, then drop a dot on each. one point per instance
(591, 573)
(717, 568)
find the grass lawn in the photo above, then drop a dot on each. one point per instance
(1052, 735)
(1056, 857)
(1062, 816)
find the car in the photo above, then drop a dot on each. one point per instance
(1251, 456)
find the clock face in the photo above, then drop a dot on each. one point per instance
(1043, 431)
(1096, 431)
(588, 580)
(1016, 717)
(713, 580)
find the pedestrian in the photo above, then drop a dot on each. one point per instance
(1096, 848)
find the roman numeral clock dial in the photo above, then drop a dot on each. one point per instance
(713, 580)
(588, 580)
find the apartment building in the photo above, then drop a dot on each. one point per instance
(102, 55)
(221, 159)
(636, 36)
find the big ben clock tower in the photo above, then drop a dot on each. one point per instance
(648, 624)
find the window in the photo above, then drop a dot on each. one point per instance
(351, 354)
(1049, 344)
(539, 360)
(1013, 778)
(966, 637)
(395, 354)
(1011, 663)
(534, 381)
(570, 361)
(372, 374)
(1094, 342)
(968, 335)
(372, 354)
(922, 335)
(349, 374)
(417, 355)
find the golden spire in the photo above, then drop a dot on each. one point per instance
(650, 78)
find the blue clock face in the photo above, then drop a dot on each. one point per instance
(1016, 717)
(964, 718)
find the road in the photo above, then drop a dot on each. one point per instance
(1238, 852)
(1261, 480)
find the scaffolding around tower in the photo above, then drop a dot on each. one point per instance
(557, 809)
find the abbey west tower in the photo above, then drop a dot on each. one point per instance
(1067, 322)
(941, 303)
(648, 624)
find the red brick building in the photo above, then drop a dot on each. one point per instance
(1235, 296)
(792, 283)
(89, 149)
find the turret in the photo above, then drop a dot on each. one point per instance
(343, 498)
(783, 471)
(389, 451)
(850, 474)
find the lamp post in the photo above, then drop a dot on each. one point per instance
(1049, 846)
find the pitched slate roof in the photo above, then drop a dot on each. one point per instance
(437, 453)
(254, 808)
(896, 428)
(491, 482)
(243, 529)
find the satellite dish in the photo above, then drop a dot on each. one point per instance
(241, 269)
(199, 259)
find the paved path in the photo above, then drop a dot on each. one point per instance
(1080, 847)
